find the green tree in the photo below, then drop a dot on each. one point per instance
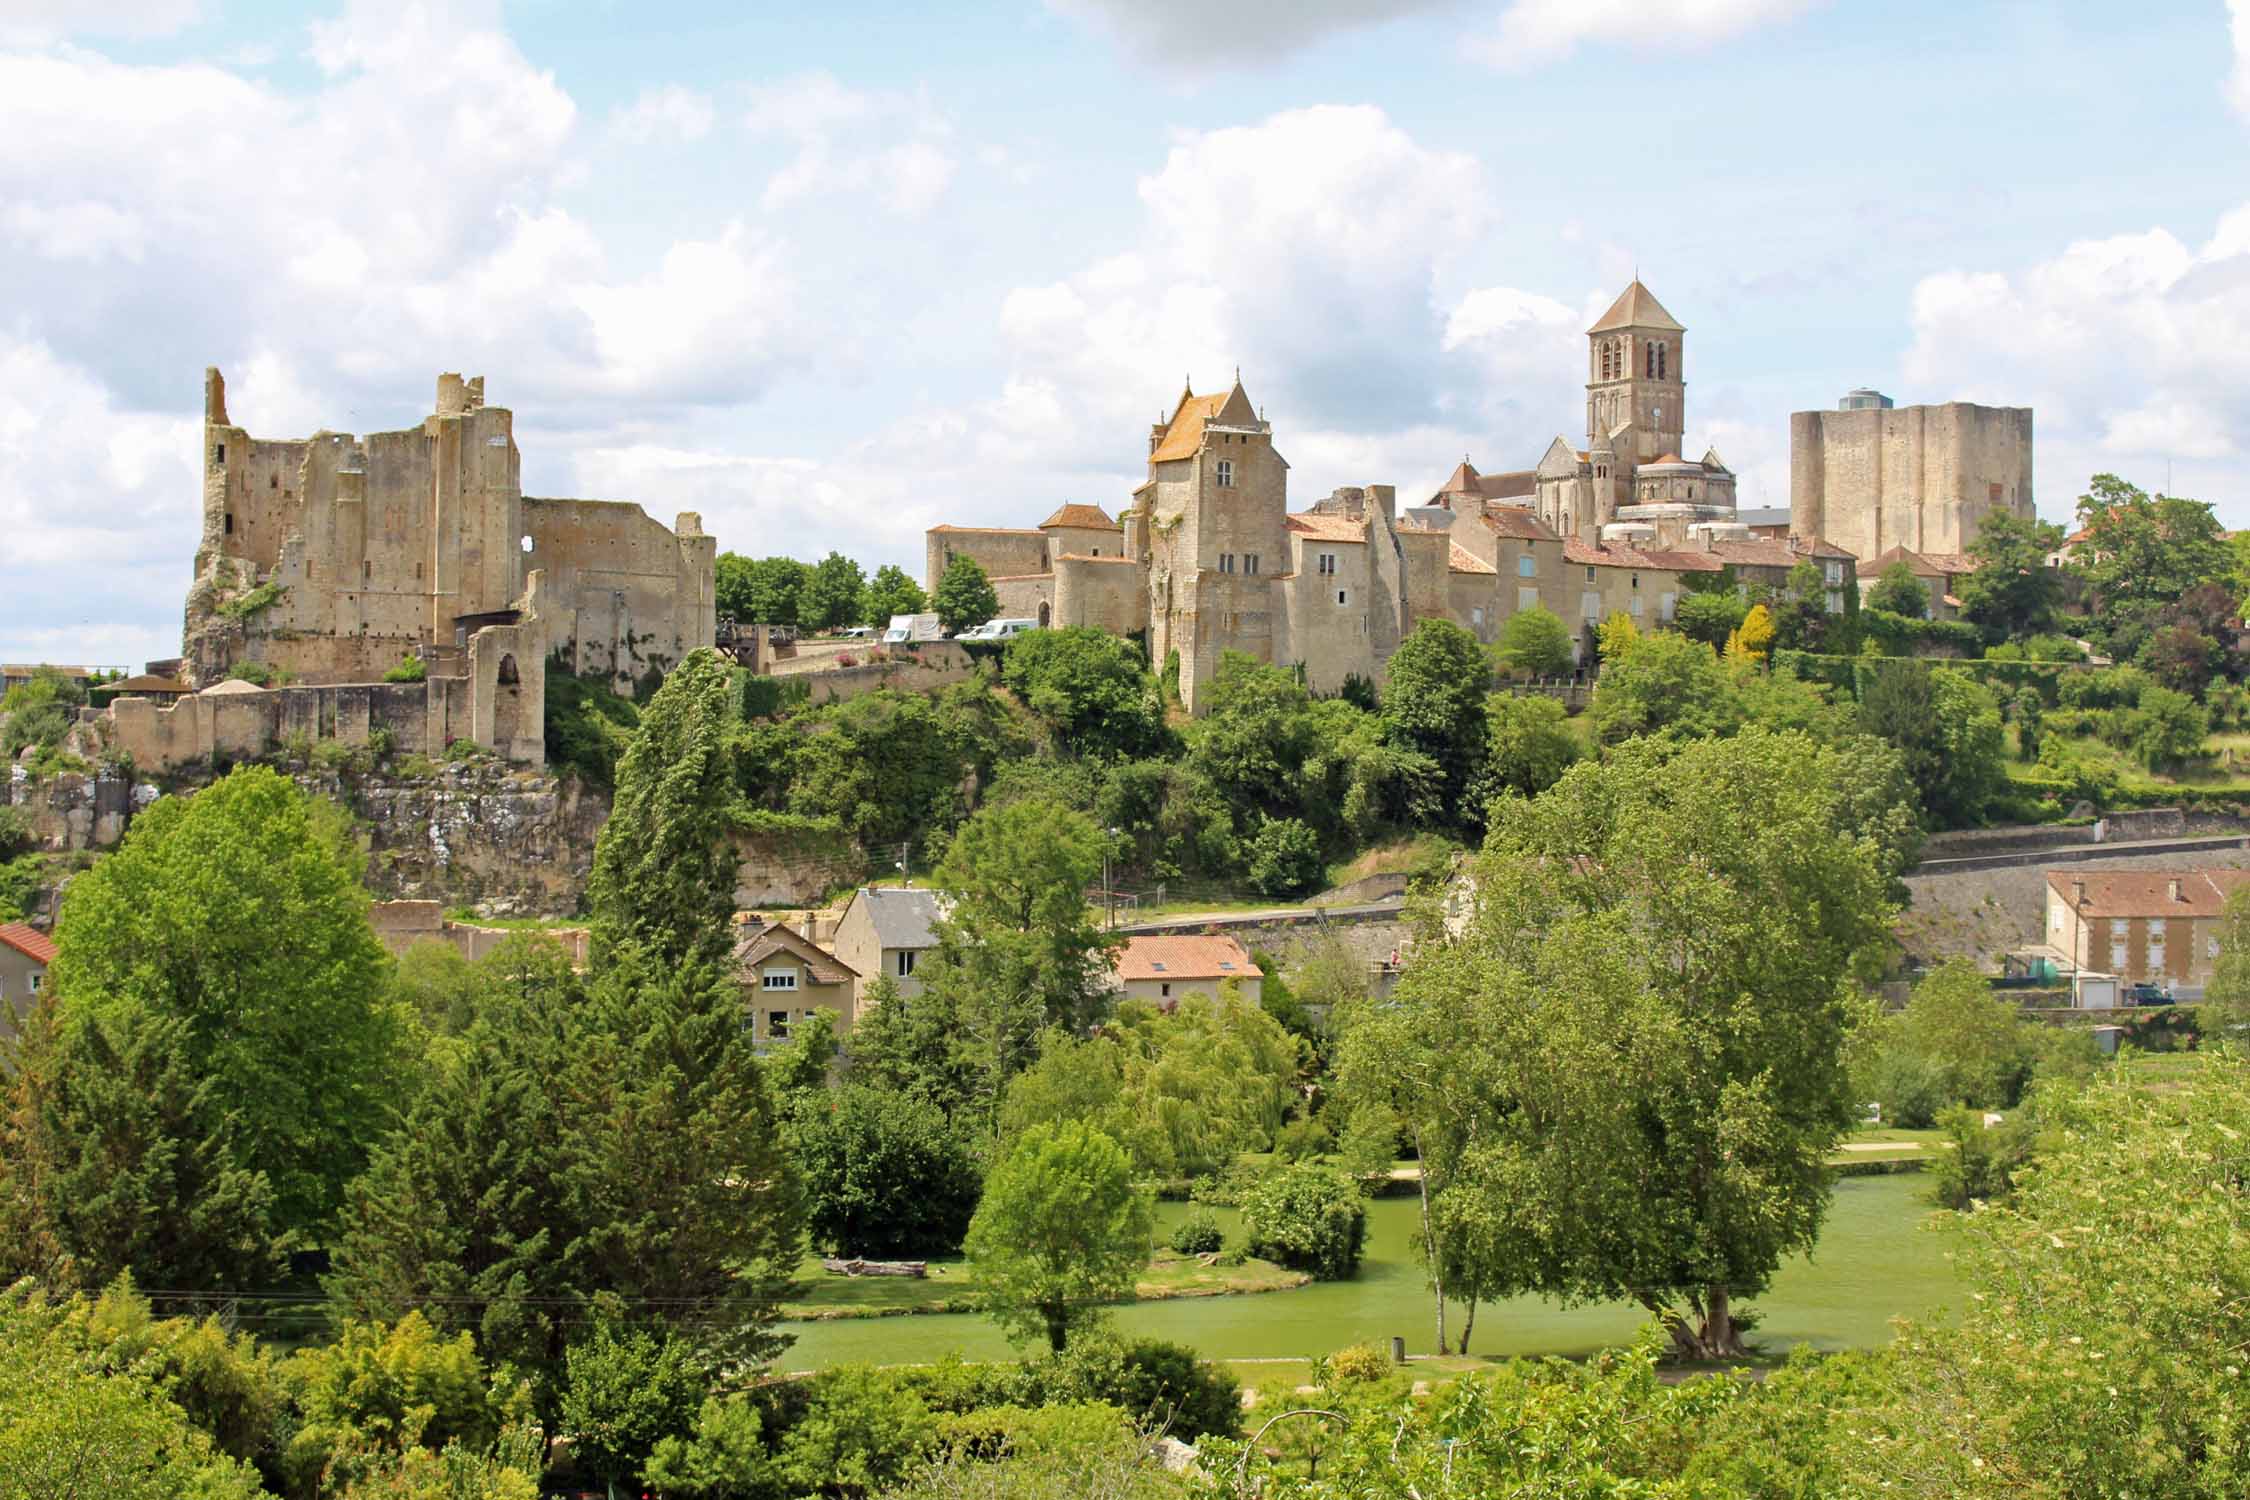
(777, 591)
(239, 913)
(890, 592)
(2012, 593)
(734, 592)
(1685, 1191)
(379, 1389)
(1535, 642)
(831, 593)
(883, 1177)
(1978, 1042)
(627, 1391)
(1947, 726)
(1528, 746)
(1092, 688)
(1433, 703)
(2167, 728)
(1901, 593)
(1285, 858)
(1710, 616)
(38, 713)
(964, 596)
(1662, 683)
(2226, 998)
(2182, 658)
(1308, 1218)
(2141, 553)
(1062, 1229)
(862, 1431)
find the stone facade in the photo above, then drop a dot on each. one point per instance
(329, 559)
(1872, 478)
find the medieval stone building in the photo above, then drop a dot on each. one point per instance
(1871, 476)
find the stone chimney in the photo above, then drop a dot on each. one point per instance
(2078, 894)
(2174, 886)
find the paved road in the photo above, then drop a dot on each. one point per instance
(1363, 912)
(2072, 853)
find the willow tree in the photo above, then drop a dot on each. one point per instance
(1628, 1058)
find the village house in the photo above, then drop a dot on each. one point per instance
(786, 979)
(1937, 572)
(25, 954)
(1167, 968)
(2152, 926)
(884, 933)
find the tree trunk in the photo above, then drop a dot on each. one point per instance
(1058, 1331)
(1468, 1325)
(1429, 1234)
(1706, 1332)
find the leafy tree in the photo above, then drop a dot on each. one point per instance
(1255, 735)
(2226, 998)
(662, 889)
(890, 592)
(724, 1457)
(238, 913)
(1308, 1218)
(733, 591)
(1684, 1193)
(831, 593)
(628, 1390)
(2140, 554)
(861, 1432)
(1062, 1229)
(38, 712)
(1433, 701)
(1092, 687)
(1710, 617)
(1019, 949)
(1948, 728)
(2012, 593)
(2167, 728)
(1901, 593)
(1753, 638)
(777, 591)
(1152, 1383)
(1978, 1042)
(883, 1176)
(1662, 683)
(2182, 658)
(1535, 642)
(1527, 748)
(379, 1389)
(911, 1045)
(1615, 636)
(888, 766)
(964, 596)
(1285, 858)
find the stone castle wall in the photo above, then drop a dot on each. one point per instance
(1919, 477)
(1001, 552)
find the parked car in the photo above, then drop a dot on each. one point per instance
(857, 632)
(997, 630)
(906, 628)
(2146, 993)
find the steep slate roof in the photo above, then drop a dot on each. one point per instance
(901, 916)
(1514, 521)
(1185, 958)
(775, 938)
(2148, 893)
(1081, 518)
(1328, 528)
(1637, 307)
(29, 941)
(1468, 562)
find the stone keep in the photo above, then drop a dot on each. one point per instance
(1875, 477)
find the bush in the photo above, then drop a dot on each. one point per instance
(380, 1388)
(994, 1434)
(1911, 1088)
(409, 669)
(1153, 1382)
(1285, 858)
(1360, 1364)
(1302, 1139)
(2115, 687)
(1309, 1219)
(1198, 1234)
(862, 1431)
(882, 1175)
(625, 1393)
(587, 727)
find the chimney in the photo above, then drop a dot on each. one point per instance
(2078, 894)
(2174, 885)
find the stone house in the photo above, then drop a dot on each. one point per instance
(1161, 968)
(884, 933)
(786, 979)
(1936, 570)
(2145, 925)
(25, 955)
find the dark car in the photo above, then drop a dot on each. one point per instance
(2145, 993)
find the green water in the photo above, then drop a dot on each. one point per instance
(1876, 1261)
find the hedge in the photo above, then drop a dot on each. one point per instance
(1849, 674)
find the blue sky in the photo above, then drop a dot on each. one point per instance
(830, 275)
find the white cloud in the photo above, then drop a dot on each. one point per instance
(2134, 350)
(852, 141)
(38, 23)
(2238, 82)
(1531, 32)
(670, 113)
(1191, 34)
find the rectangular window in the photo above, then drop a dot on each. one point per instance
(1835, 572)
(1589, 574)
(220, 455)
(2211, 947)
(1343, 596)
(1164, 991)
(1590, 604)
(1835, 601)
(1527, 566)
(779, 979)
(1476, 616)
(1226, 562)
(1527, 597)
(1249, 562)
(777, 1025)
(1667, 606)
(1226, 473)
(905, 962)
(2119, 930)
(1636, 606)
(1327, 563)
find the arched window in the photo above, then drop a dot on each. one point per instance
(1662, 352)
(508, 676)
(1650, 361)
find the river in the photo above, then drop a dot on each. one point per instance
(1876, 1261)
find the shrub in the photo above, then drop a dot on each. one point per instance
(1360, 1364)
(625, 1393)
(862, 1431)
(2114, 687)
(993, 1434)
(382, 1388)
(1302, 1139)
(1153, 1382)
(409, 669)
(1285, 858)
(883, 1176)
(1911, 1088)
(256, 673)
(1309, 1219)
(1198, 1233)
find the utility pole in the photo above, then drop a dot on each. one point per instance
(1109, 891)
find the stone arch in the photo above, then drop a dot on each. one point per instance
(1043, 614)
(508, 674)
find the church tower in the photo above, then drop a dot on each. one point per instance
(1635, 378)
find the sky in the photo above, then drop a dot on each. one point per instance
(830, 275)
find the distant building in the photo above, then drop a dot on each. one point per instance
(884, 933)
(1870, 476)
(25, 954)
(1938, 572)
(786, 980)
(1162, 968)
(2157, 926)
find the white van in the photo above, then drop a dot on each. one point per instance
(998, 630)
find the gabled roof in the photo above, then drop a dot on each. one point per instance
(774, 938)
(901, 916)
(1463, 561)
(1465, 480)
(1606, 554)
(1924, 564)
(1516, 522)
(1637, 307)
(1680, 561)
(1185, 958)
(29, 941)
(2148, 893)
(1328, 528)
(1081, 518)
(1183, 435)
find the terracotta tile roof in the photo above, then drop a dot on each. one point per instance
(1759, 552)
(1680, 561)
(1821, 547)
(1328, 528)
(1927, 564)
(774, 938)
(1185, 434)
(2148, 893)
(1463, 561)
(1636, 307)
(1088, 558)
(1081, 518)
(994, 530)
(1514, 521)
(1185, 958)
(1465, 480)
(1606, 555)
(29, 941)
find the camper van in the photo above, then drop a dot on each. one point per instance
(907, 628)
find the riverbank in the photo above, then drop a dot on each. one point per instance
(817, 1297)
